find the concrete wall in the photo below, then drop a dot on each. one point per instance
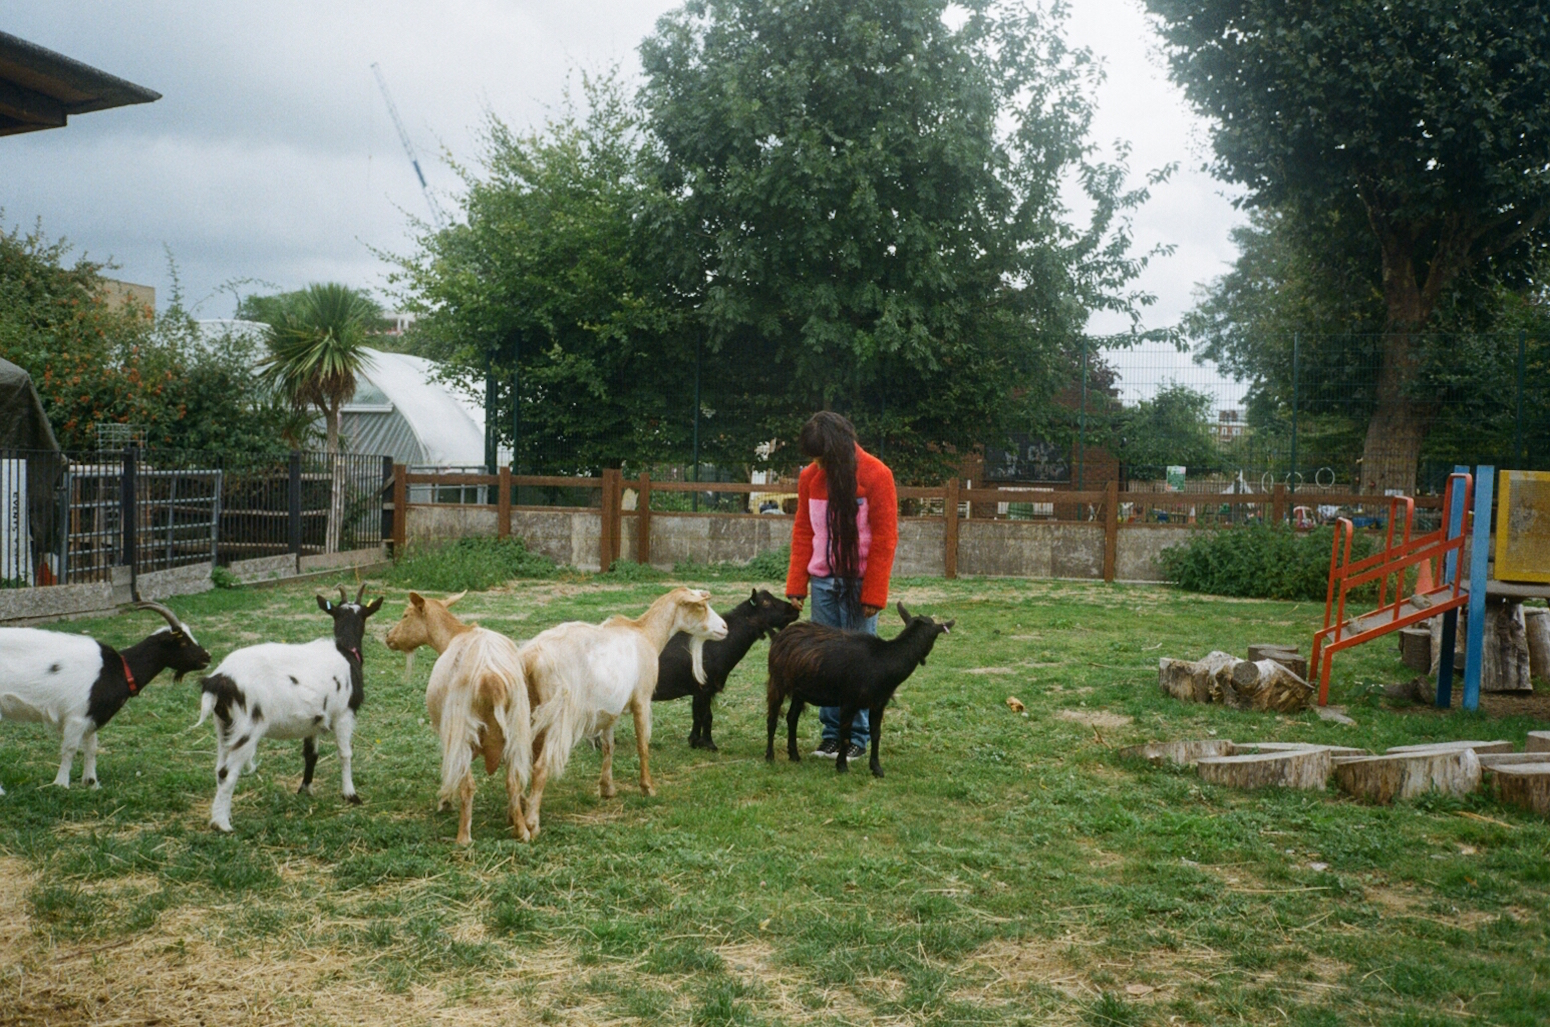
(21, 606)
(1023, 549)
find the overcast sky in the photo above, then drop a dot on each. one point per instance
(271, 157)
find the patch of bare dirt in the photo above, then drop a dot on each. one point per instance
(1095, 718)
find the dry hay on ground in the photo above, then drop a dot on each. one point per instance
(1095, 718)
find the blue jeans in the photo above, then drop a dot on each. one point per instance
(828, 609)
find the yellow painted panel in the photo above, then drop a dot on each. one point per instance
(1523, 527)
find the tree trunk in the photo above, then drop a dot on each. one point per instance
(1527, 785)
(1399, 422)
(1292, 768)
(335, 483)
(1267, 685)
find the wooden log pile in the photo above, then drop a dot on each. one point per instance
(1265, 684)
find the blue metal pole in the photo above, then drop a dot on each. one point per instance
(1450, 620)
(1479, 571)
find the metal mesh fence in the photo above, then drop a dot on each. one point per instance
(72, 517)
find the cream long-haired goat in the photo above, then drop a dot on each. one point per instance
(478, 702)
(586, 675)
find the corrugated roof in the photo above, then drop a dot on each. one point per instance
(40, 88)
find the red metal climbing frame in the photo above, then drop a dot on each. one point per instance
(1387, 567)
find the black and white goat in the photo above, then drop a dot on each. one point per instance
(76, 683)
(823, 666)
(759, 615)
(288, 691)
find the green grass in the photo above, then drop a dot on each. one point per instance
(1008, 870)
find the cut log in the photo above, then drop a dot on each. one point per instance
(1295, 768)
(1500, 745)
(1526, 785)
(1184, 753)
(1491, 760)
(1249, 748)
(1198, 680)
(1505, 667)
(1267, 685)
(1458, 644)
(1405, 775)
(1415, 649)
(1286, 655)
(1538, 741)
(1536, 626)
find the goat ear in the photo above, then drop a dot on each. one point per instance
(374, 607)
(418, 600)
(753, 596)
(947, 625)
(904, 614)
(325, 605)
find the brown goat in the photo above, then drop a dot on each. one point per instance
(477, 700)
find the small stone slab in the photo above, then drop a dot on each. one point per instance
(1183, 753)
(1526, 785)
(1249, 748)
(1294, 768)
(1538, 741)
(1405, 775)
(1499, 745)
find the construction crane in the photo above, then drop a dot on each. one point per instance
(403, 137)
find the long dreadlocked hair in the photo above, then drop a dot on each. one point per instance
(831, 439)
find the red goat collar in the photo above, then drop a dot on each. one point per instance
(134, 686)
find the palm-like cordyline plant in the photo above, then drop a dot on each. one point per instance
(317, 348)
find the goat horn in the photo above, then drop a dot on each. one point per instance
(343, 596)
(171, 618)
(360, 592)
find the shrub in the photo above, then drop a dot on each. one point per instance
(469, 563)
(629, 570)
(222, 577)
(1258, 562)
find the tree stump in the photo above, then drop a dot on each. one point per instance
(1489, 761)
(1538, 741)
(1196, 680)
(1183, 753)
(1383, 779)
(1499, 745)
(1286, 655)
(1526, 785)
(1266, 685)
(1249, 748)
(1415, 649)
(1536, 627)
(1505, 667)
(1458, 645)
(1294, 768)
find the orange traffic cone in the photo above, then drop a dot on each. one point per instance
(1423, 577)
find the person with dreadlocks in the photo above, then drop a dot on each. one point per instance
(842, 544)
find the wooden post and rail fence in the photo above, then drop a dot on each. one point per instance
(1108, 507)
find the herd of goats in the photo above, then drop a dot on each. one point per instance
(524, 706)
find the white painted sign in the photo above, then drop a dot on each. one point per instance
(15, 536)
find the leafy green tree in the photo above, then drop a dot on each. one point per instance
(546, 290)
(96, 362)
(1173, 427)
(867, 214)
(1430, 114)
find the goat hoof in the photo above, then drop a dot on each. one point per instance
(304, 790)
(608, 792)
(646, 789)
(840, 768)
(354, 800)
(223, 828)
(877, 771)
(91, 783)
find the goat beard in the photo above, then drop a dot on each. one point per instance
(697, 657)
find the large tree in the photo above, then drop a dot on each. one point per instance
(868, 213)
(547, 295)
(1431, 114)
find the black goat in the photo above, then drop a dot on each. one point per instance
(760, 614)
(824, 666)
